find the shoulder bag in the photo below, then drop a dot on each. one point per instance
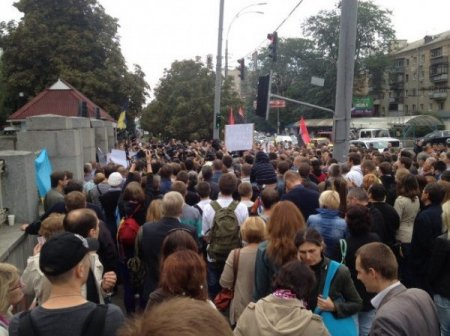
(345, 326)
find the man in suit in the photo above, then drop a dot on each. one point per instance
(306, 200)
(153, 235)
(400, 311)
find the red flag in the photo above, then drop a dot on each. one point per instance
(230, 117)
(241, 112)
(303, 131)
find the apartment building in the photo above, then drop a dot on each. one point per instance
(418, 81)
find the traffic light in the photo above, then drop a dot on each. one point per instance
(262, 100)
(273, 45)
(241, 62)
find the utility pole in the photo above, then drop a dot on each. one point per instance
(218, 85)
(344, 83)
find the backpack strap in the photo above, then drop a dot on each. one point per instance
(99, 192)
(95, 321)
(26, 325)
(215, 205)
(199, 209)
(233, 205)
(138, 243)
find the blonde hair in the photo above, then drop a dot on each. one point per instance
(446, 218)
(330, 199)
(52, 225)
(8, 276)
(154, 211)
(253, 230)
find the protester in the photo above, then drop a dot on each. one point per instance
(284, 311)
(253, 231)
(343, 299)
(399, 311)
(10, 294)
(66, 311)
(279, 248)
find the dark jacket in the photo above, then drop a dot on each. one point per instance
(427, 227)
(263, 171)
(353, 244)
(378, 224)
(306, 200)
(153, 235)
(439, 272)
(390, 185)
(391, 221)
(342, 290)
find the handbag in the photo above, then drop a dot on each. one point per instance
(137, 268)
(224, 297)
(345, 326)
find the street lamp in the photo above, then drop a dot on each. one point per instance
(240, 13)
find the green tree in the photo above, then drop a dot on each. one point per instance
(183, 104)
(74, 40)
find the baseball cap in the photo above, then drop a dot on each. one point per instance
(115, 179)
(63, 252)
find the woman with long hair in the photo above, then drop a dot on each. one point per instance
(407, 205)
(343, 299)
(279, 248)
(359, 227)
(10, 294)
(439, 272)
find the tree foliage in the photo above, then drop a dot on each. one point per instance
(316, 55)
(183, 104)
(74, 40)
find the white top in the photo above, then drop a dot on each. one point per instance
(203, 203)
(355, 175)
(376, 301)
(208, 212)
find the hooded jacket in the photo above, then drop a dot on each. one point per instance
(274, 316)
(263, 171)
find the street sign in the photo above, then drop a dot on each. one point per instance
(277, 103)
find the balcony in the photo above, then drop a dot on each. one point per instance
(438, 94)
(442, 59)
(443, 77)
(396, 100)
(397, 85)
(398, 69)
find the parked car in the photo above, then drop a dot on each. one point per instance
(436, 137)
(380, 144)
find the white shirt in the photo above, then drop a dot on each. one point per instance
(203, 203)
(376, 301)
(241, 212)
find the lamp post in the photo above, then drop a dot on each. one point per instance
(240, 13)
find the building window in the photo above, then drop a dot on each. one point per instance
(441, 106)
(407, 61)
(414, 75)
(414, 92)
(414, 108)
(422, 59)
(406, 93)
(383, 109)
(421, 107)
(406, 108)
(406, 78)
(431, 107)
(436, 52)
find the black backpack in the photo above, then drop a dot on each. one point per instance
(93, 325)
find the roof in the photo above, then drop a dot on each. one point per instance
(61, 99)
(420, 43)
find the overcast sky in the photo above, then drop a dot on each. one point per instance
(154, 33)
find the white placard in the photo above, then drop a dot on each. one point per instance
(239, 137)
(118, 157)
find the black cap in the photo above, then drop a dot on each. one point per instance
(63, 252)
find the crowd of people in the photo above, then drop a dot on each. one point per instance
(195, 240)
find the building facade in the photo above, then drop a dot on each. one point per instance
(417, 82)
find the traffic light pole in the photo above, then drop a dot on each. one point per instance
(218, 84)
